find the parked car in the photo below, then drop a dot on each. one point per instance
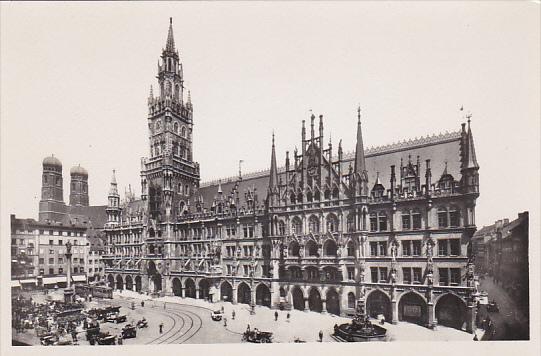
(258, 337)
(129, 331)
(116, 318)
(216, 315)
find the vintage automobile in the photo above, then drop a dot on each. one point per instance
(92, 332)
(216, 315)
(143, 323)
(116, 318)
(258, 337)
(49, 340)
(129, 331)
(107, 340)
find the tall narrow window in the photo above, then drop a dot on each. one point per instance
(454, 217)
(406, 272)
(416, 220)
(406, 222)
(373, 222)
(442, 218)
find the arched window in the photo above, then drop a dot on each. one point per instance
(335, 193)
(332, 223)
(296, 226)
(317, 195)
(299, 197)
(311, 249)
(169, 88)
(313, 224)
(351, 222)
(327, 194)
(293, 199)
(294, 249)
(351, 300)
(183, 131)
(281, 228)
(330, 248)
(177, 91)
(351, 249)
(309, 197)
(175, 127)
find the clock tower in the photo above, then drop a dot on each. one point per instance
(169, 175)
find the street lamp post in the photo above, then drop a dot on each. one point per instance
(252, 302)
(68, 292)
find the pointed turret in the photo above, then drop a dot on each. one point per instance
(273, 180)
(170, 45)
(471, 159)
(113, 207)
(360, 165)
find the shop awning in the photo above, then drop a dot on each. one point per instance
(15, 284)
(81, 278)
(28, 281)
(54, 280)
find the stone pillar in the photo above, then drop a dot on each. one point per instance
(234, 301)
(431, 316)
(470, 318)
(324, 306)
(196, 293)
(306, 305)
(166, 286)
(394, 306)
(275, 295)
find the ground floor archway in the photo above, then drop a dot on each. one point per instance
(451, 311)
(204, 288)
(138, 284)
(244, 294)
(314, 301)
(226, 292)
(111, 281)
(177, 287)
(119, 282)
(412, 308)
(378, 303)
(156, 281)
(263, 295)
(333, 302)
(298, 298)
(189, 287)
(129, 283)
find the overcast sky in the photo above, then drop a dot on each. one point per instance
(75, 80)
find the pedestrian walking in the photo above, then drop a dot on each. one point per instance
(161, 327)
(475, 337)
(287, 317)
(233, 315)
(320, 335)
(248, 328)
(225, 322)
(275, 316)
(223, 309)
(142, 304)
(119, 342)
(74, 335)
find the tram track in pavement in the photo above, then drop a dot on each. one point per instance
(183, 315)
(127, 304)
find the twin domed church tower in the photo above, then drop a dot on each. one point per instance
(51, 205)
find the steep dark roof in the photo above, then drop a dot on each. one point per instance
(95, 216)
(438, 148)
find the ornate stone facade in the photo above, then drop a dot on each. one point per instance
(328, 232)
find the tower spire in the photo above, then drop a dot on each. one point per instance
(471, 158)
(170, 45)
(360, 165)
(273, 179)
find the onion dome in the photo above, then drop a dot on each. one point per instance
(78, 170)
(52, 161)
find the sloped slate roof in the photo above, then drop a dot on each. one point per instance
(438, 148)
(94, 215)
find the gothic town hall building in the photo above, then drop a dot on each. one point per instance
(385, 230)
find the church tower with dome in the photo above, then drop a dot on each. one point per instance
(79, 186)
(51, 205)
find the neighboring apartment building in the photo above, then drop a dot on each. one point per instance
(38, 246)
(329, 232)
